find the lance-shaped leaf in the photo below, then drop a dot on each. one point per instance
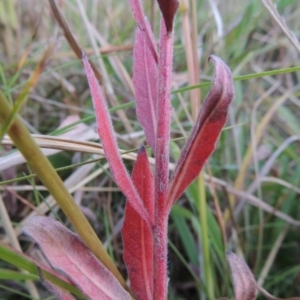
(209, 124)
(137, 9)
(168, 9)
(145, 86)
(67, 253)
(137, 237)
(244, 283)
(107, 136)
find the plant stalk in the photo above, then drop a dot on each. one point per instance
(162, 145)
(204, 237)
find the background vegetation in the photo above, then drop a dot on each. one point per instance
(252, 179)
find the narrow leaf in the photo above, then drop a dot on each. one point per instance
(208, 127)
(168, 9)
(23, 96)
(137, 9)
(107, 136)
(244, 283)
(137, 237)
(67, 253)
(145, 85)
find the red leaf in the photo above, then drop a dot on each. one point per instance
(201, 144)
(137, 9)
(168, 9)
(67, 253)
(137, 237)
(244, 283)
(106, 133)
(145, 85)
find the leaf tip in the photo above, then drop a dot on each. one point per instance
(244, 283)
(168, 10)
(142, 149)
(32, 222)
(85, 61)
(214, 59)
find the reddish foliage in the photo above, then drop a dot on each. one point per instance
(244, 283)
(137, 237)
(208, 127)
(145, 86)
(168, 9)
(141, 21)
(110, 147)
(149, 198)
(66, 252)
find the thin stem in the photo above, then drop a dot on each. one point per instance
(204, 237)
(161, 167)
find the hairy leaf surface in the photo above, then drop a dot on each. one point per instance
(141, 21)
(137, 237)
(107, 136)
(208, 127)
(244, 283)
(145, 85)
(67, 253)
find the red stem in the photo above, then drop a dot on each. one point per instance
(162, 163)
